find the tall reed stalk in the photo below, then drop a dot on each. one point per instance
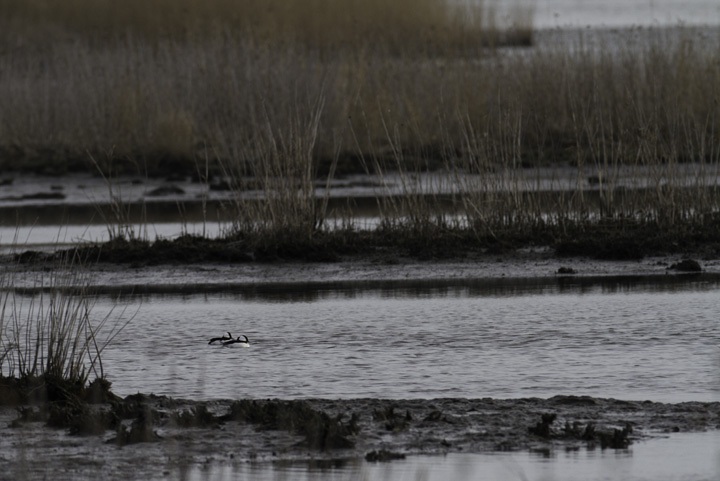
(50, 330)
(279, 163)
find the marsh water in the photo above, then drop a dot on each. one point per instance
(612, 337)
(690, 457)
(616, 338)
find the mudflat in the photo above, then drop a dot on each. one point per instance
(147, 436)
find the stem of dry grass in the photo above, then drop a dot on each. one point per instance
(51, 332)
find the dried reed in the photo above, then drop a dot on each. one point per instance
(276, 111)
(50, 331)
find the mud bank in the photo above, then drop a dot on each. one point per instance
(155, 436)
(519, 268)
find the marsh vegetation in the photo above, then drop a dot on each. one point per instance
(278, 99)
(51, 341)
(477, 141)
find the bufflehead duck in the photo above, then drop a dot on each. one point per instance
(218, 340)
(237, 342)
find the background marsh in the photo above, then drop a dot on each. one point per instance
(302, 96)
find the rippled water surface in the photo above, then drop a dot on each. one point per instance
(654, 342)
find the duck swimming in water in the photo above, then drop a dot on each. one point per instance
(237, 342)
(218, 340)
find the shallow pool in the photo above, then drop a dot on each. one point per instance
(632, 342)
(687, 457)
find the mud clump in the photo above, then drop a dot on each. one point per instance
(321, 431)
(434, 416)
(28, 415)
(62, 404)
(382, 456)
(165, 190)
(615, 439)
(141, 431)
(139, 408)
(566, 271)
(197, 417)
(393, 421)
(80, 420)
(12, 393)
(98, 392)
(573, 400)
(542, 428)
(686, 265)
(40, 390)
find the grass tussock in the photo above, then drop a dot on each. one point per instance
(51, 343)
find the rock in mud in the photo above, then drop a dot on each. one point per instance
(165, 190)
(566, 271)
(686, 265)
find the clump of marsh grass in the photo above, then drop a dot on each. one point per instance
(639, 136)
(279, 165)
(50, 338)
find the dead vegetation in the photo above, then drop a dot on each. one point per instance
(171, 83)
(278, 99)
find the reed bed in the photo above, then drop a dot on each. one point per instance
(284, 96)
(397, 26)
(48, 330)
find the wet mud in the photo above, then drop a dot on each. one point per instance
(390, 247)
(152, 436)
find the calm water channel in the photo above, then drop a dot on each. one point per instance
(687, 457)
(654, 340)
(614, 339)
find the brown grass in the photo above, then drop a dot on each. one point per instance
(394, 26)
(307, 91)
(49, 330)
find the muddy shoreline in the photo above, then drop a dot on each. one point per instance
(521, 270)
(184, 434)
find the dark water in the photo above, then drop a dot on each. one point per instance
(614, 338)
